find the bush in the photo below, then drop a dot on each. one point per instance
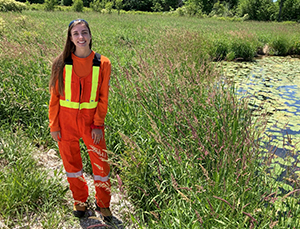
(180, 11)
(11, 5)
(50, 5)
(219, 49)
(66, 2)
(290, 10)
(97, 5)
(221, 10)
(280, 46)
(296, 48)
(119, 5)
(262, 10)
(109, 6)
(2, 25)
(243, 49)
(35, 6)
(193, 9)
(78, 5)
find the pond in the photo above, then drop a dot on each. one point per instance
(272, 85)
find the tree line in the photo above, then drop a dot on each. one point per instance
(262, 10)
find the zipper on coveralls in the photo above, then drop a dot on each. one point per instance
(80, 89)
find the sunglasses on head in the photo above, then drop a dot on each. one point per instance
(79, 20)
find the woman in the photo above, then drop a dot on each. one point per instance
(79, 86)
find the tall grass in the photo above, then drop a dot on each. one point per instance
(27, 191)
(185, 148)
(192, 159)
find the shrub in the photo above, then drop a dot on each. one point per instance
(50, 5)
(66, 2)
(78, 5)
(221, 10)
(280, 46)
(262, 10)
(290, 10)
(180, 11)
(157, 7)
(109, 6)
(119, 5)
(97, 5)
(296, 48)
(2, 25)
(243, 49)
(11, 5)
(193, 9)
(35, 6)
(219, 49)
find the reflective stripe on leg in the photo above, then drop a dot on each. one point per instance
(74, 175)
(100, 178)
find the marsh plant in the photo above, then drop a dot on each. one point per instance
(191, 159)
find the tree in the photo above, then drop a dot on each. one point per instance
(109, 6)
(262, 10)
(78, 5)
(67, 2)
(119, 5)
(193, 7)
(141, 5)
(32, 1)
(231, 3)
(290, 10)
(50, 5)
(280, 9)
(157, 7)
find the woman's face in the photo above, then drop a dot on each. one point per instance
(80, 36)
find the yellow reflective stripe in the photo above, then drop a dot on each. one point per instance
(75, 105)
(88, 105)
(69, 104)
(94, 83)
(68, 78)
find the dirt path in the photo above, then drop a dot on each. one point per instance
(119, 206)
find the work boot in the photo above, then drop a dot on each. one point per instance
(79, 210)
(105, 212)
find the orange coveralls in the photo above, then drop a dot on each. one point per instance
(74, 122)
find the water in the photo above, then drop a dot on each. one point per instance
(272, 85)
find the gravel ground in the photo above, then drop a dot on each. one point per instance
(120, 207)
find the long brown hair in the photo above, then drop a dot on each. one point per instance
(59, 62)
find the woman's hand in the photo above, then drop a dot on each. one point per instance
(97, 135)
(56, 135)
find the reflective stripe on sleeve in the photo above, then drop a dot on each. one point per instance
(74, 175)
(100, 178)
